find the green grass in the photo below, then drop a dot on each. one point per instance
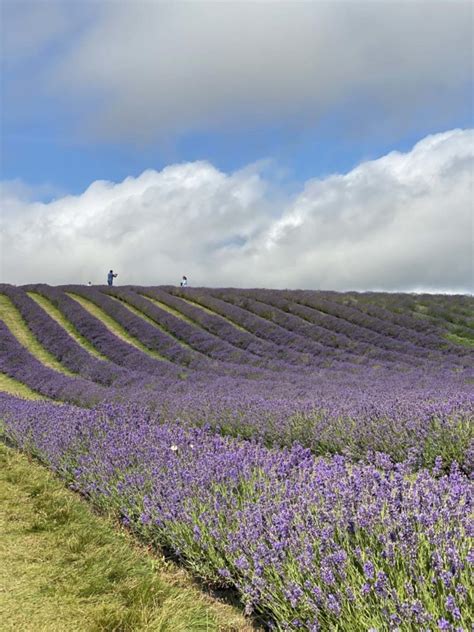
(453, 315)
(114, 327)
(212, 313)
(14, 387)
(63, 568)
(456, 322)
(169, 309)
(59, 317)
(149, 320)
(460, 340)
(18, 327)
(178, 314)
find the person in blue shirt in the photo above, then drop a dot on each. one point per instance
(110, 277)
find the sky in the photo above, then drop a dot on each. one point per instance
(323, 145)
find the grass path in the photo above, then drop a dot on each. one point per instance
(14, 387)
(170, 310)
(18, 327)
(460, 340)
(63, 568)
(150, 321)
(216, 314)
(114, 327)
(59, 317)
(195, 323)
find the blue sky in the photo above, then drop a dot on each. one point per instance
(293, 92)
(40, 152)
(45, 140)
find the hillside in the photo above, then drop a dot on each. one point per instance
(311, 451)
(282, 365)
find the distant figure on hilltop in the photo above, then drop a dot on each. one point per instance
(110, 277)
(89, 283)
(184, 281)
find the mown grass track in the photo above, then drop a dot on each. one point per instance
(18, 327)
(14, 387)
(369, 316)
(207, 328)
(357, 324)
(460, 339)
(122, 300)
(202, 338)
(259, 346)
(169, 309)
(175, 312)
(198, 301)
(63, 568)
(427, 312)
(59, 317)
(211, 312)
(271, 336)
(113, 326)
(334, 330)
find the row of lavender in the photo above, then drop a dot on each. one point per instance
(334, 420)
(295, 338)
(310, 544)
(454, 313)
(424, 410)
(324, 345)
(333, 322)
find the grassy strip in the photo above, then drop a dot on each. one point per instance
(149, 320)
(212, 313)
(18, 327)
(59, 317)
(14, 387)
(63, 568)
(113, 326)
(460, 340)
(169, 309)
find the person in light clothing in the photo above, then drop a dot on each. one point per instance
(184, 281)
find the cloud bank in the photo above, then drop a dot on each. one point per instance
(138, 70)
(401, 222)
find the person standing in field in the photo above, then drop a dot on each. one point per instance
(110, 277)
(184, 281)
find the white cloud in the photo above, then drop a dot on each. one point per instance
(137, 70)
(403, 221)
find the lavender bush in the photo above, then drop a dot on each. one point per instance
(393, 395)
(312, 450)
(310, 544)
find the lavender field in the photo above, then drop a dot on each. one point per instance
(313, 451)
